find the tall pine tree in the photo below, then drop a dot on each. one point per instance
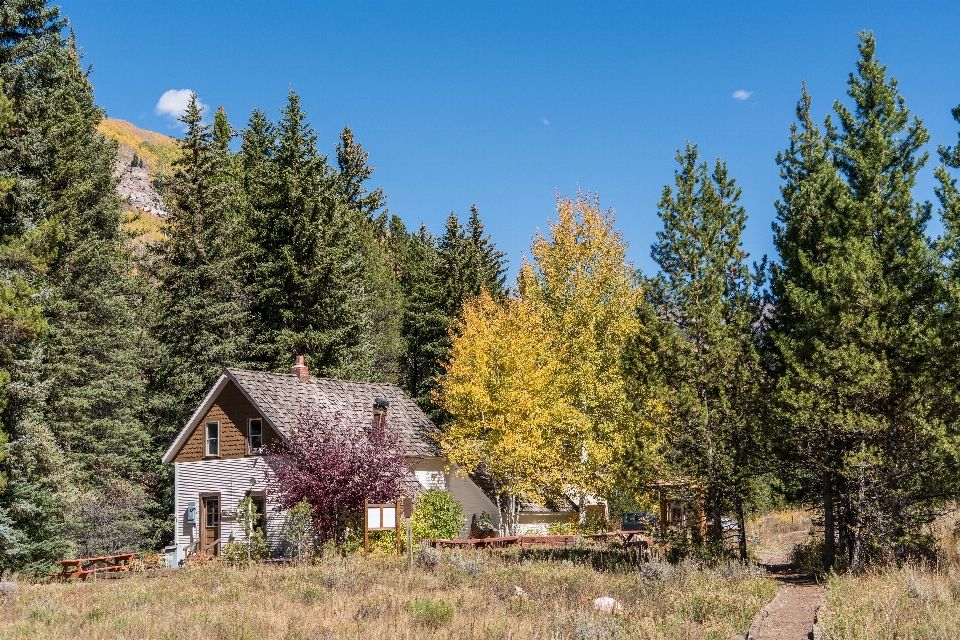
(321, 286)
(76, 409)
(706, 344)
(203, 323)
(856, 318)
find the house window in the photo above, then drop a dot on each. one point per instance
(213, 438)
(259, 509)
(213, 512)
(255, 434)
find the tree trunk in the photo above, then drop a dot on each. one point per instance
(829, 530)
(741, 528)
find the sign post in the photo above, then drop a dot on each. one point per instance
(408, 514)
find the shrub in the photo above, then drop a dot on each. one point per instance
(437, 515)
(429, 612)
(473, 563)
(593, 524)
(235, 552)
(428, 557)
(808, 558)
(385, 542)
(297, 529)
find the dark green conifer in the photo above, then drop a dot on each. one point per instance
(856, 318)
(203, 323)
(708, 306)
(79, 385)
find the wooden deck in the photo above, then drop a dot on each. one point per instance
(629, 538)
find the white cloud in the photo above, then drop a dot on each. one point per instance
(174, 102)
(545, 121)
(740, 94)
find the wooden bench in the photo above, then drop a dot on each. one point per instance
(83, 568)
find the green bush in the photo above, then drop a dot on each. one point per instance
(437, 514)
(593, 524)
(235, 552)
(429, 612)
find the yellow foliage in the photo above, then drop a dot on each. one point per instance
(501, 388)
(143, 229)
(157, 150)
(590, 295)
(536, 383)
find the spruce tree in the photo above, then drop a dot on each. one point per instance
(708, 307)
(857, 309)
(353, 172)
(78, 412)
(424, 323)
(203, 325)
(319, 288)
(437, 278)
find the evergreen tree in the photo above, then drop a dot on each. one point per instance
(490, 263)
(437, 277)
(222, 131)
(77, 400)
(424, 324)
(320, 285)
(352, 172)
(708, 307)
(856, 318)
(203, 325)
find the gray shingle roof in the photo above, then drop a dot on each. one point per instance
(283, 398)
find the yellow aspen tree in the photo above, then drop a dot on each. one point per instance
(589, 296)
(503, 386)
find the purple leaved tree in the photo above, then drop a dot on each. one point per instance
(335, 464)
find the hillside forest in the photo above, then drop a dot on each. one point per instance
(825, 377)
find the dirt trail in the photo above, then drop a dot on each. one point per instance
(791, 614)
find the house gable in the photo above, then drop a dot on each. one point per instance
(231, 409)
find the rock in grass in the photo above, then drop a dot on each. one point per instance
(607, 604)
(520, 593)
(8, 589)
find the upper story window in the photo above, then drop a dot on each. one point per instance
(255, 434)
(212, 438)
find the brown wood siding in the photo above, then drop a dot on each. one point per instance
(232, 410)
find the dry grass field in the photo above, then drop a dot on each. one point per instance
(919, 601)
(470, 595)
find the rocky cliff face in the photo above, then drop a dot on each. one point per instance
(155, 154)
(136, 189)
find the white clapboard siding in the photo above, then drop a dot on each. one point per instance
(232, 479)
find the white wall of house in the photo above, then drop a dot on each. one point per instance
(232, 479)
(535, 524)
(432, 473)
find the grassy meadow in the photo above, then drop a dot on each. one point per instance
(916, 600)
(470, 595)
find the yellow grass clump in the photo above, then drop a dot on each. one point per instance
(378, 597)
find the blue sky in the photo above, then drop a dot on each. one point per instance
(501, 103)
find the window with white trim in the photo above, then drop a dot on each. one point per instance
(255, 434)
(212, 438)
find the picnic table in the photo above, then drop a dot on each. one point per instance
(83, 568)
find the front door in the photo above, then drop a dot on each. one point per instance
(211, 525)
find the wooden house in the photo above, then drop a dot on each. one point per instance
(218, 460)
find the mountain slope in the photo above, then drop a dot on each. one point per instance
(155, 153)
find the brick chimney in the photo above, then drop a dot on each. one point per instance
(300, 370)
